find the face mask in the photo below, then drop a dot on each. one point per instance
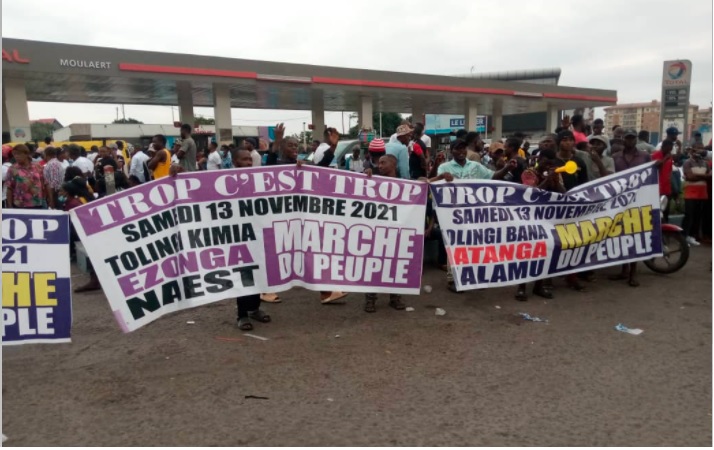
(62, 198)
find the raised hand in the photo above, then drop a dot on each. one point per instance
(565, 121)
(332, 137)
(279, 131)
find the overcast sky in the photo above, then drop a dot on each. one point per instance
(604, 44)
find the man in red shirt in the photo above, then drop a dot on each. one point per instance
(665, 173)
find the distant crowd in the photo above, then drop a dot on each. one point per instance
(67, 176)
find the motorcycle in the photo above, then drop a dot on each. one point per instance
(675, 250)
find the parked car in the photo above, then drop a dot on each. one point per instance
(344, 148)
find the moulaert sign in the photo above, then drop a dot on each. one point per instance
(676, 82)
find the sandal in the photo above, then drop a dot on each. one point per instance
(573, 284)
(618, 277)
(369, 306)
(521, 294)
(633, 283)
(270, 298)
(259, 315)
(244, 324)
(333, 297)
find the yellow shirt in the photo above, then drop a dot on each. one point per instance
(162, 168)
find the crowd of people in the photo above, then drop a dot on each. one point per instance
(65, 177)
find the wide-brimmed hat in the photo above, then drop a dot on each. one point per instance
(495, 146)
(404, 130)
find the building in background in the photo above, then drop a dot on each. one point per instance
(53, 122)
(643, 116)
(141, 134)
(703, 117)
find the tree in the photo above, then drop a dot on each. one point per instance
(127, 120)
(40, 131)
(200, 120)
(390, 122)
(307, 135)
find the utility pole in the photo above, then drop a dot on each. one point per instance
(117, 108)
(380, 124)
(123, 115)
(304, 136)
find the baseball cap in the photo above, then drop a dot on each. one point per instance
(630, 132)
(600, 138)
(673, 130)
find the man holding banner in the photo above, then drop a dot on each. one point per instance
(248, 305)
(387, 168)
(624, 160)
(461, 168)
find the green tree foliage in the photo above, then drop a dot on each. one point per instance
(200, 120)
(40, 130)
(127, 120)
(390, 122)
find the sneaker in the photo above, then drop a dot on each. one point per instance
(692, 242)
(397, 304)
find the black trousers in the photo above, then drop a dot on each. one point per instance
(693, 214)
(247, 304)
(441, 254)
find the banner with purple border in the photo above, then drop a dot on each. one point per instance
(36, 292)
(201, 237)
(499, 233)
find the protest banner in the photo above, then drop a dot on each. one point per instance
(200, 237)
(36, 295)
(499, 233)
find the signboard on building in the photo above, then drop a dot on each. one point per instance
(676, 82)
(447, 123)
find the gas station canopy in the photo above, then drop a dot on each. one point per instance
(54, 72)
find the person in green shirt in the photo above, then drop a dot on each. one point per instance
(461, 168)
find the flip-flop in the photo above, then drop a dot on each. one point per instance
(270, 298)
(259, 315)
(633, 283)
(618, 277)
(244, 324)
(334, 296)
(521, 294)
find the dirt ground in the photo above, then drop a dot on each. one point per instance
(334, 375)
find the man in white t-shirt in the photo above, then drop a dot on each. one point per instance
(84, 164)
(672, 135)
(320, 152)
(214, 157)
(136, 168)
(251, 144)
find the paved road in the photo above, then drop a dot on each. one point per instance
(476, 376)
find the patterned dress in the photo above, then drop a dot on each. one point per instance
(27, 184)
